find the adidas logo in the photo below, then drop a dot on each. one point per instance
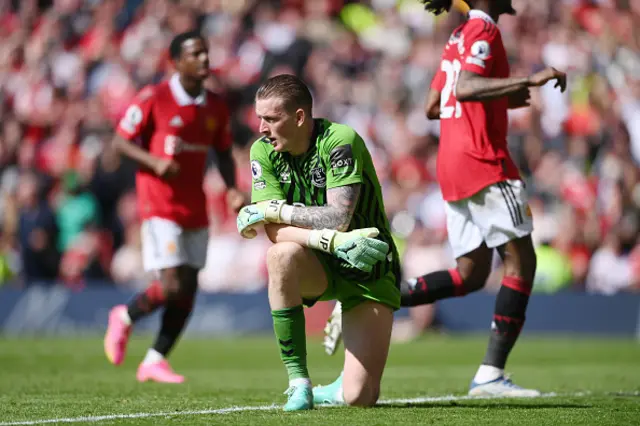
(176, 121)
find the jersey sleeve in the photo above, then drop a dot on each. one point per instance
(223, 139)
(438, 81)
(344, 152)
(137, 117)
(265, 184)
(478, 48)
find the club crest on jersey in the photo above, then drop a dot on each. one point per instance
(210, 124)
(256, 170)
(318, 177)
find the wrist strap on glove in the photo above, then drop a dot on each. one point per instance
(321, 239)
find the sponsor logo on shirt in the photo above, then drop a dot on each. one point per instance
(174, 145)
(259, 185)
(341, 160)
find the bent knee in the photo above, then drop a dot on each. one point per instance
(474, 277)
(365, 395)
(284, 253)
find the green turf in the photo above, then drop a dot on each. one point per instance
(55, 378)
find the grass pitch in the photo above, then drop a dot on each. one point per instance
(240, 381)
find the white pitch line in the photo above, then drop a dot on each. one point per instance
(419, 400)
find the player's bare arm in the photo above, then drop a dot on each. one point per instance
(160, 166)
(432, 106)
(227, 167)
(341, 203)
(473, 87)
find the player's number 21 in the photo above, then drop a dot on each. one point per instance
(452, 71)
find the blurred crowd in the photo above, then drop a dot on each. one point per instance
(69, 68)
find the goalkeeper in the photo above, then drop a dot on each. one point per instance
(316, 191)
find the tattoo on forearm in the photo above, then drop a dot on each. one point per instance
(341, 203)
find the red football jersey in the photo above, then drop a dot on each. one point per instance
(473, 135)
(171, 124)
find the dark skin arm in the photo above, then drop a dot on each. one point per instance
(472, 87)
(227, 167)
(432, 105)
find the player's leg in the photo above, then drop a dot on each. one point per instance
(160, 250)
(473, 259)
(510, 230)
(294, 273)
(473, 262)
(367, 334)
(508, 318)
(180, 286)
(367, 320)
(123, 317)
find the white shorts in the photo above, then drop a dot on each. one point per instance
(165, 244)
(495, 215)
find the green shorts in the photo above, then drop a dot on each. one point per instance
(351, 293)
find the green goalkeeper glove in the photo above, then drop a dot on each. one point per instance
(253, 215)
(358, 248)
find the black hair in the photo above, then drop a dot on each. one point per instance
(175, 48)
(437, 6)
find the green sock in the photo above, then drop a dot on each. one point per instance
(288, 325)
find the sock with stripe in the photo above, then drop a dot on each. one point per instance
(146, 302)
(289, 328)
(431, 287)
(508, 319)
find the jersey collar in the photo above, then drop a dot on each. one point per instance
(182, 97)
(478, 14)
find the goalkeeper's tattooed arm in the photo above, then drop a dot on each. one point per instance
(337, 214)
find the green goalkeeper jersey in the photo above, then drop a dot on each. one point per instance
(337, 157)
